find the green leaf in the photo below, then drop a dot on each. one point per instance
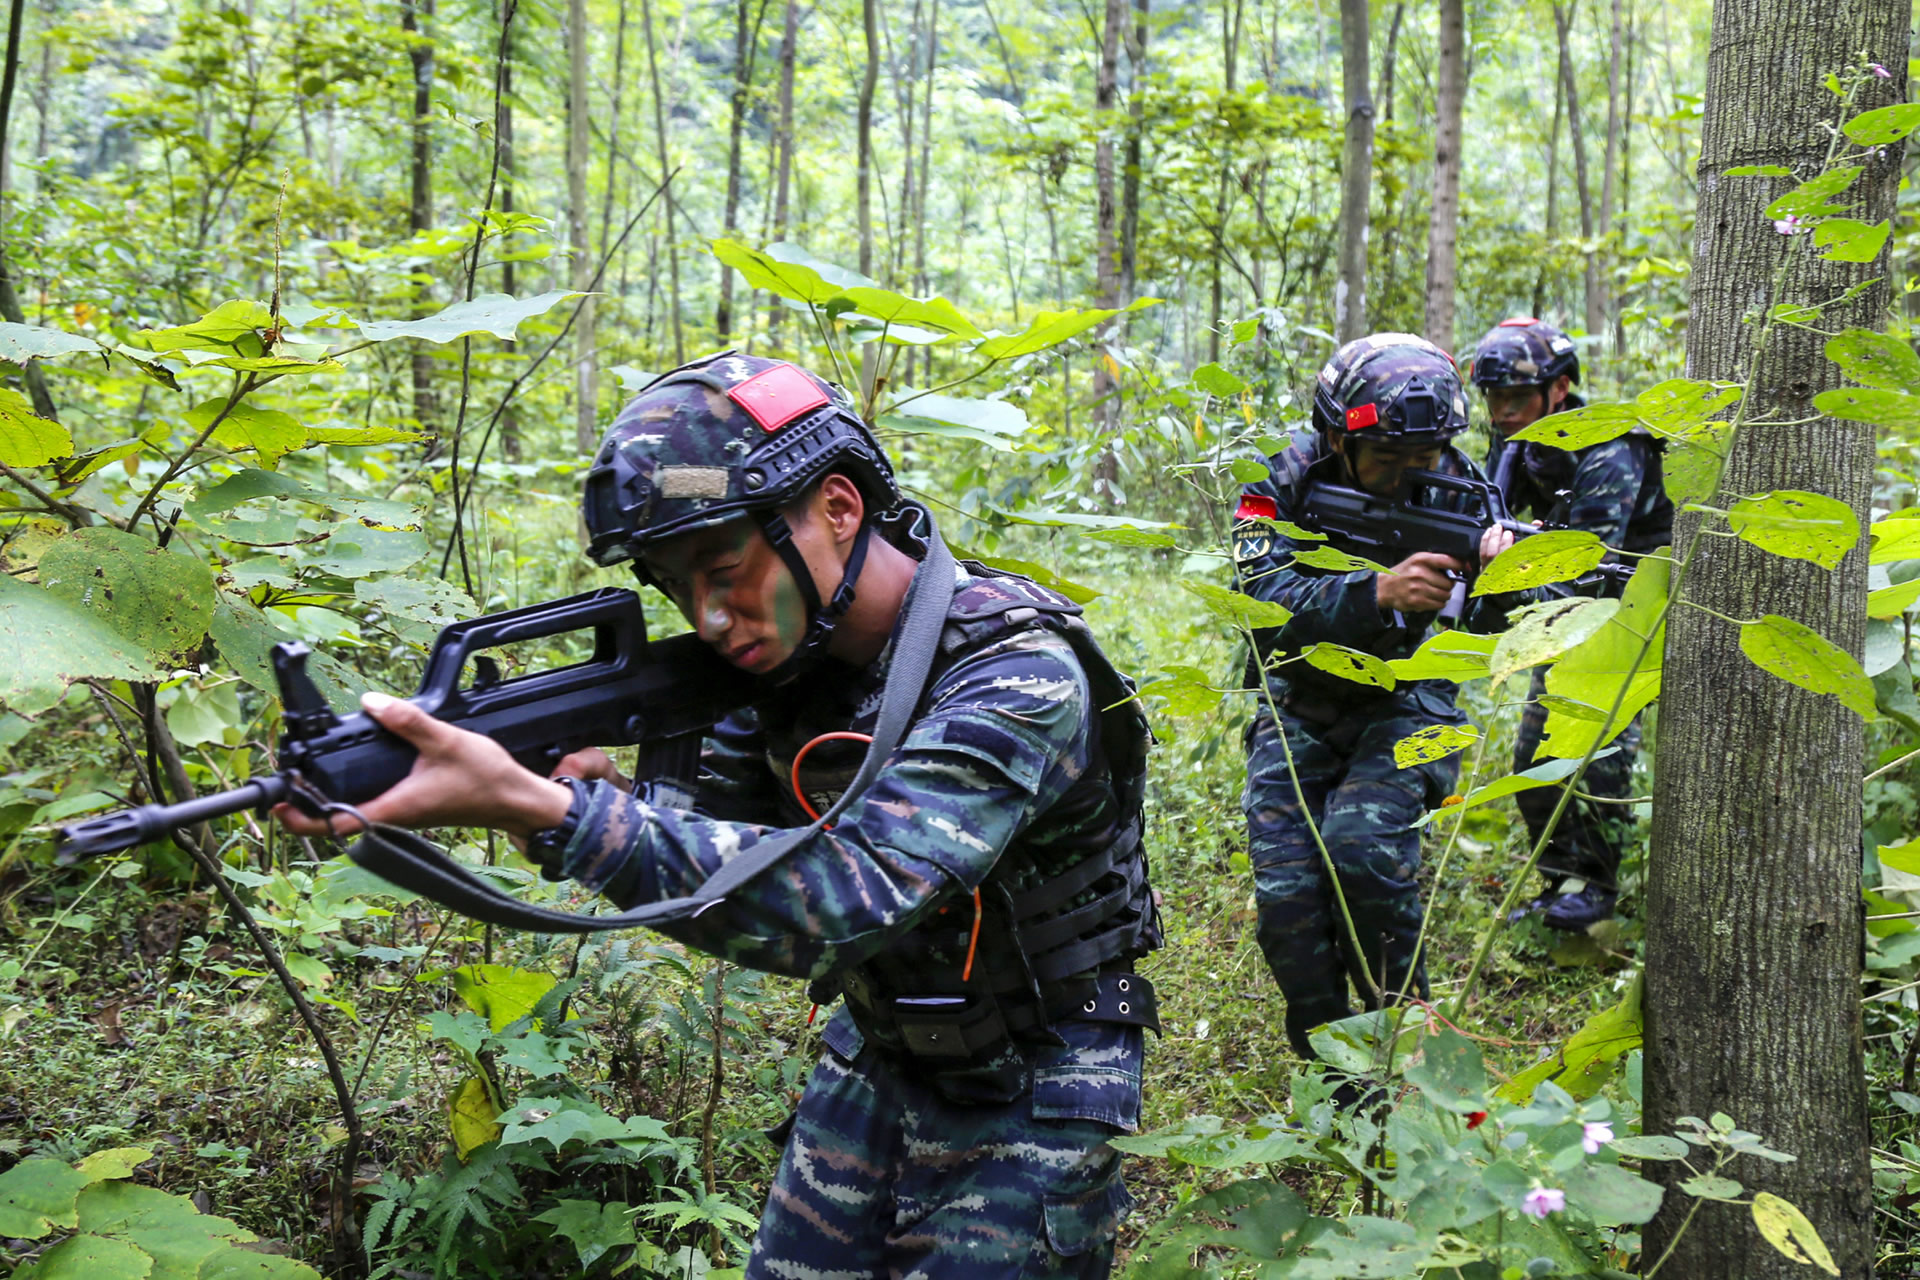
(565, 1120)
(1892, 601)
(1350, 664)
(538, 1055)
(898, 308)
(1882, 408)
(1559, 555)
(995, 423)
(1690, 472)
(1235, 608)
(115, 1162)
(1801, 526)
(1895, 538)
(26, 438)
(1546, 631)
(1338, 561)
(1602, 668)
(501, 993)
(1876, 359)
(223, 326)
(1713, 1187)
(470, 1119)
(1546, 774)
(491, 313)
(1215, 381)
(417, 608)
(1586, 1061)
(20, 343)
(1451, 1072)
(1077, 520)
(354, 551)
(38, 1195)
(1447, 655)
(168, 1228)
(1143, 539)
(1850, 240)
(1611, 1196)
(200, 715)
(1780, 1221)
(245, 636)
(1050, 329)
(1650, 1146)
(1757, 171)
(1802, 656)
(1886, 124)
(1578, 428)
(359, 436)
(267, 432)
(1247, 471)
(592, 1227)
(245, 1264)
(1074, 591)
(1811, 199)
(73, 470)
(88, 1258)
(1680, 407)
(1435, 742)
(1187, 689)
(793, 274)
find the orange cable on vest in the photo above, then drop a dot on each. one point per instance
(794, 778)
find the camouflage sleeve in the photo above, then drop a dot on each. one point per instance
(1340, 607)
(734, 782)
(1005, 734)
(1606, 484)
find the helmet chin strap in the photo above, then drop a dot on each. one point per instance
(821, 618)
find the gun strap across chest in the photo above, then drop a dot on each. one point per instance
(410, 861)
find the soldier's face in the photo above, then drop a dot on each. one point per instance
(1514, 409)
(1378, 464)
(728, 581)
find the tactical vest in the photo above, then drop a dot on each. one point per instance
(1067, 907)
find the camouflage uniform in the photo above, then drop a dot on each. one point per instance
(1614, 491)
(1010, 780)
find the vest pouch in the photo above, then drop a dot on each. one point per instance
(950, 1030)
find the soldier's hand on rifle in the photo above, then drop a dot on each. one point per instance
(591, 765)
(1493, 542)
(1418, 584)
(462, 779)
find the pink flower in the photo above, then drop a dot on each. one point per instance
(1542, 1201)
(1792, 225)
(1595, 1136)
(1880, 71)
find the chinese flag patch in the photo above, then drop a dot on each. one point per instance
(1518, 322)
(1256, 506)
(778, 396)
(1362, 415)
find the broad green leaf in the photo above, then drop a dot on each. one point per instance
(203, 714)
(1876, 359)
(1894, 539)
(308, 970)
(114, 1162)
(1578, 428)
(1801, 526)
(565, 1120)
(51, 642)
(88, 1258)
(1049, 329)
(416, 608)
(245, 636)
(38, 1195)
(1451, 1072)
(1780, 1221)
(470, 1114)
(1812, 198)
(1892, 601)
(897, 308)
(796, 279)
(1802, 656)
(1611, 1196)
(1651, 1146)
(27, 439)
(593, 1228)
(1712, 1187)
(221, 327)
(358, 436)
(539, 1056)
(1886, 124)
(20, 343)
(1187, 689)
(492, 313)
(1547, 774)
(77, 468)
(1077, 520)
(500, 993)
(1247, 471)
(1867, 404)
(1546, 631)
(1143, 539)
(1690, 471)
(1679, 407)
(245, 1264)
(1586, 1061)
(1447, 655)
(996, 423)
(1850, 240)
(1558, 555)
(1604, 667)
(167, 1228)
(1215, 381)
(1435, 742)
(1236, 608)
(1350, 664)
(267, 432)
(1337, 561)
(355, 551)
(1077, 592)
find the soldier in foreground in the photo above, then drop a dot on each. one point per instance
(1526, 368)
(1384, 405)
(979, 906)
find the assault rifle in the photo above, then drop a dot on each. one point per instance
(1391, 528)
(629, 691)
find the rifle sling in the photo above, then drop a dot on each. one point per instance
(414, 863)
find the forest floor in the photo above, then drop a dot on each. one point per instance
(149, 1020)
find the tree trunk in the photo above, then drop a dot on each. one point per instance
(921, 283)
(1130, 153)
(420, 201)
(1553, 192)
(1754, 941)
(1387, 62)
(1356, 176)
(783, 129)
(10, 300)
(586, 368)
(1230, 26)
(1603, 274)
(1443, 224)
(1595, 314)
(868, 80)
(1106, 93)
(510, 446)
(1626, 178)
(667, 200)
(744, 45)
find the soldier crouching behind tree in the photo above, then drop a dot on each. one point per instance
(1383, 406)
(980, 905)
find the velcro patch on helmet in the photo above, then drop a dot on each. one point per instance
(777, 396)
(1518, 322)
(692, 482)
(1362, 415)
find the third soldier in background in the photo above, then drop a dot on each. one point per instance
(1526, 368)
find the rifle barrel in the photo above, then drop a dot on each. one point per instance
(130, 827)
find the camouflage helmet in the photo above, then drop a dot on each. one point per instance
(1524, 352)
(1394, 385)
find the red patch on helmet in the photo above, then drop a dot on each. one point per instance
(1362, 415)
(778, 396)
(1517, 322)
(1256, 506)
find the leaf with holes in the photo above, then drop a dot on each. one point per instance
(1236, 608)
(20, 343)
(1451, 1072)
(89, 1257)
(1850, 240)
(1876, 359)
(1784, 1226)
(158, 600)
(37, 1196)
(1680, 407)
(1187, 689)
(1338, 561)
(1867, 404)
(1447, 655)
(1800, 526)
(224, 326)
(1802, 656)
(26, 438)
(1545, 631)
(1886, 124)
(1579, 428)
(497, 314)
(1350, 664)
(268, 432)
(1690, 471)
(1615, 663)
(1814, 197)
(1559, 555)
(1435, 742)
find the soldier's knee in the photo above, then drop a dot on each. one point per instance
(1370, 829)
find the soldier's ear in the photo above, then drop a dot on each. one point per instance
(839, 502)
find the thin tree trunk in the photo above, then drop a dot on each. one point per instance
(1230, 27)
(1595, 316)
(921, 283)
(586, 367)
(746, 40)
(9, 299)
(1553, 190)
(1603, 273)
(1130, 153)
(667, 201)
(1387, 62)
(1626, 180)
(1356, 175)
(783, 131)
(510, 447)
(869, 79)
(1754, 933)
(1106, 94)
(1443, 225)
(420, 201)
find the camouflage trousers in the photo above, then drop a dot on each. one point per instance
(1591, 837)
(884, 1178)
(1365, 806)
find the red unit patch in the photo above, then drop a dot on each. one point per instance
(1257, 506)
(778, 396)
(1518, 322)
(1362, 415)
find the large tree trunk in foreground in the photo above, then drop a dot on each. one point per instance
(1356, 176)
(1753, 898)
(1443, 227)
